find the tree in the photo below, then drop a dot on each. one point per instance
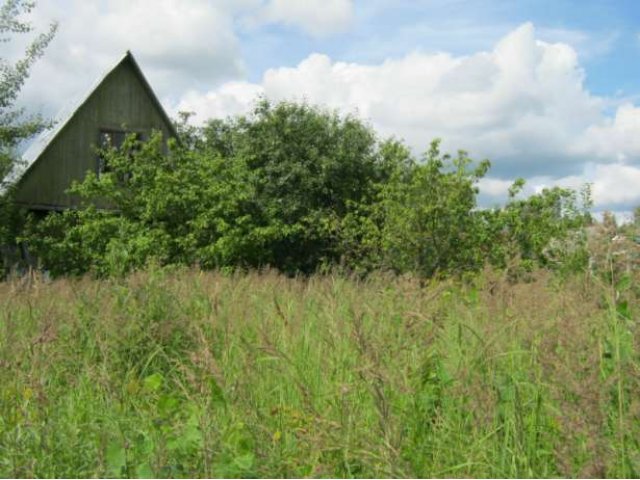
(290, 186)
(431, 225)
(15, 125)
(308, 168)
(544, 230)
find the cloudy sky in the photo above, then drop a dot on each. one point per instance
(548, 90)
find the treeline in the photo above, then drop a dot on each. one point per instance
(301, 189)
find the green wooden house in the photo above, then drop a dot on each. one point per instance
(122, 102)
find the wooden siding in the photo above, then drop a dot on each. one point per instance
(122, 100)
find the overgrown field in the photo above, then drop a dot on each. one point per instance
(183, 373)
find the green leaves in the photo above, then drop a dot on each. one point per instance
(153, 382)
(306, 168)
(115, 459)
(271, 189)
(301, 189)
(15, 127)
(545, 229)
(431, 225)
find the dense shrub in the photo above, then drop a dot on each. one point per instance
(300, 189)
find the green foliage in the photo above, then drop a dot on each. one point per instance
(299, 189)
(15, 127)
(431, 225)
(271, 189)
(546, 229)
(308, 169)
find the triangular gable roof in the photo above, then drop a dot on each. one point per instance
(42, 141)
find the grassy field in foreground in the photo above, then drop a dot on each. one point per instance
(200, 374)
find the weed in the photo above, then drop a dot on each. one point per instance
(176, 373)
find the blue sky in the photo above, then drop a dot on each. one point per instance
(606, 34)
(548, 90)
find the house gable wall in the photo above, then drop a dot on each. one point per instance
(121, 101)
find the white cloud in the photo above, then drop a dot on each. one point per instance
(181, 46)
(614, 138)
(191, 35)
(232, 98)
(495, 187)
(589, 45)
(523, 104)
(616, 184)
(317, 17)
(524, 96)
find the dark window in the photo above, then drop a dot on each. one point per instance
(110, 138)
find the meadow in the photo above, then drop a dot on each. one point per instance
(182, 373)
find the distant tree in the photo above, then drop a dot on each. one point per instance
(546, 229)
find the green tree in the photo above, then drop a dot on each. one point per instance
(309, 169)
(290, 186)
(15, 125)
(298, 188)
(431, 224)
(142, 208)
(545, 229)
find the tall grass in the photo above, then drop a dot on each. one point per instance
(184, 373)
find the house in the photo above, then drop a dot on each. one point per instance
(122, 102)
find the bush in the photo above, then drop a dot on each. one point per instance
(300, 189)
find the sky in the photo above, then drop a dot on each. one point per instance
(548, 90)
